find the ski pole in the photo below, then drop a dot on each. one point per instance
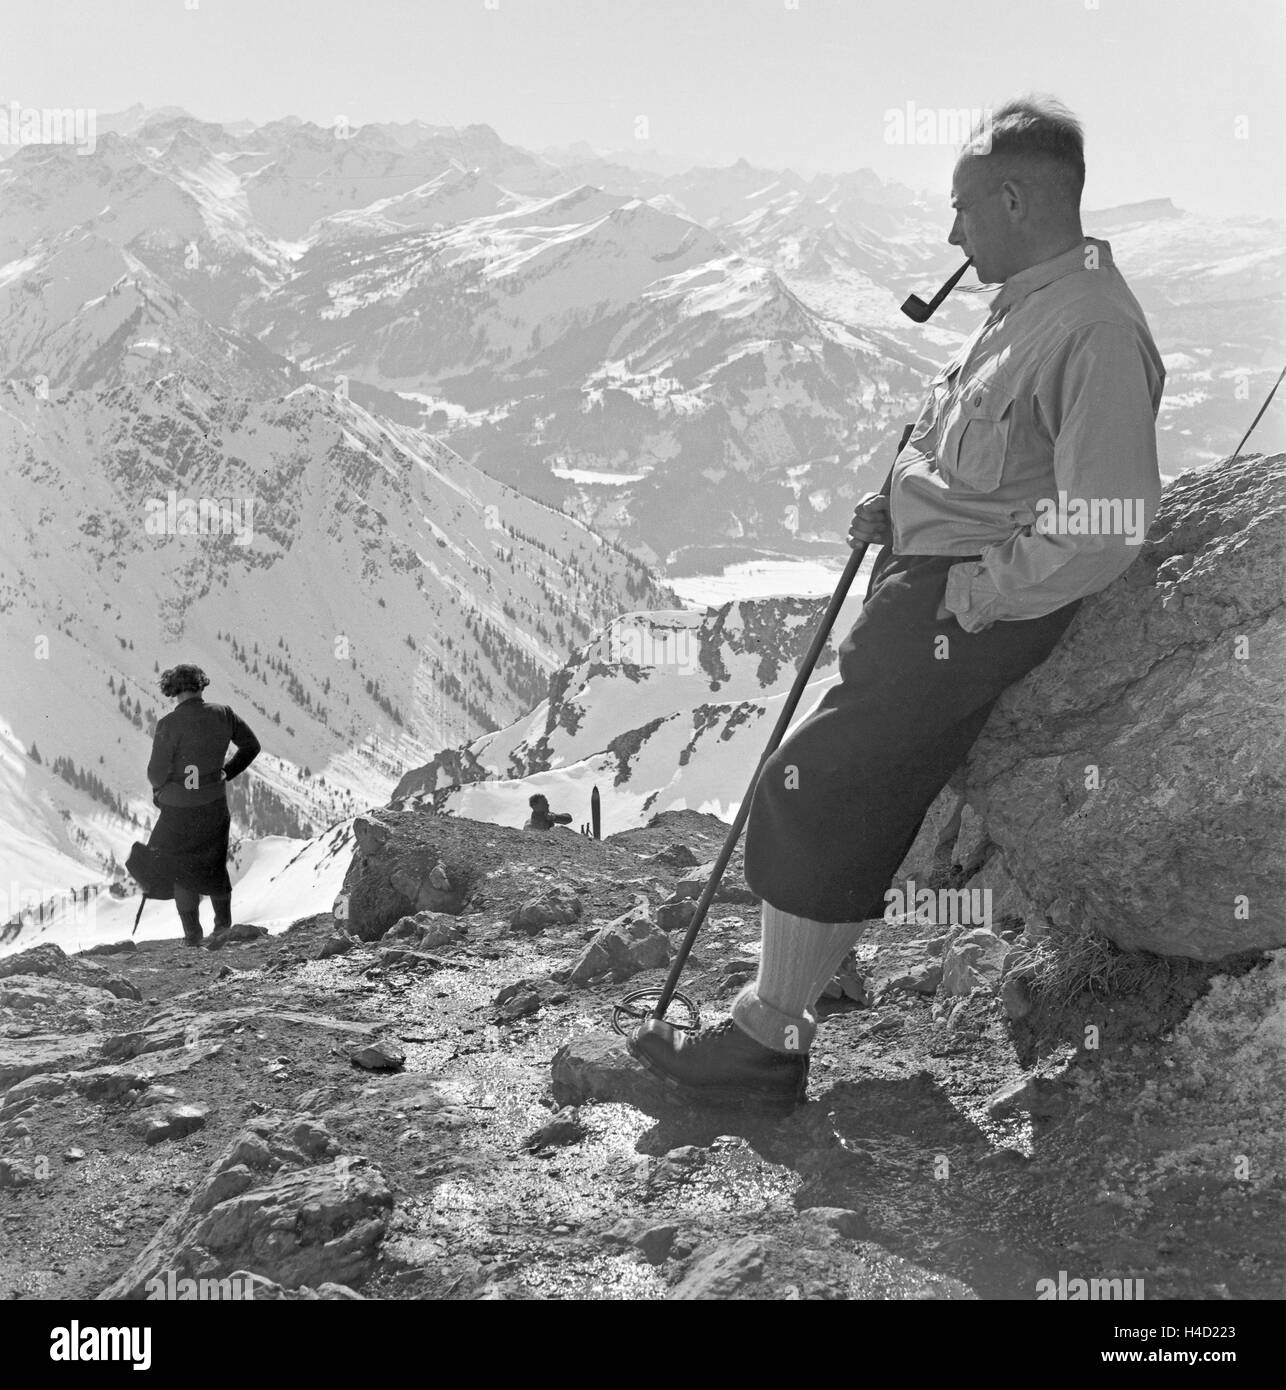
(783, 722)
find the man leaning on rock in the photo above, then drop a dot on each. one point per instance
(1047, 411)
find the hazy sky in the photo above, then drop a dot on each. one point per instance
(1180, 98)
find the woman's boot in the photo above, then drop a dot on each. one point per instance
(222, 904)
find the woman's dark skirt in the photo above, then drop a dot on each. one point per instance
(192, 843)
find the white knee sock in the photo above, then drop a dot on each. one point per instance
(798, 957)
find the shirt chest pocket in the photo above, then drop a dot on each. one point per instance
(975, 438)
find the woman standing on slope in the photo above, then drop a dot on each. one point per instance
(188, 778)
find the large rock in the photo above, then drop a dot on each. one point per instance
(233, 934)
(263, 1210)
(555, 907)
(1132, 784)
(403, 863)
(23, 1057)
(973, 961)
(174, 1122)
(719, 1271)
(36, 960)
(48, 959)
(36, 993)
(631, 943)
(597, 1066)
(822, 1258)
(732, 886)
(381, 1055)
(39, 1086)
(428, 931)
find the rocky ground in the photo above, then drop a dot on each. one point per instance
(443, 1111)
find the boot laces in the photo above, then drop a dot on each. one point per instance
(718, 1030)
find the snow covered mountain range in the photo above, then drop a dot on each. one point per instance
(706, 364)
(663, 711)
(454, 388)
(360, 596)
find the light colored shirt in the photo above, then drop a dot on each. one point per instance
(1036, 448)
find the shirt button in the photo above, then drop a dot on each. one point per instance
(977, 400)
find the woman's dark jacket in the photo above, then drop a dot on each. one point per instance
(186, 767)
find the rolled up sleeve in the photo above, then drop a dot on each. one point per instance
(1100, 401)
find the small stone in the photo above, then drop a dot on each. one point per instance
(110, 1083)
(686, 1156)
(731, 889)
(854, 985)
(676, 916)
(42, 1086)
(74, 1155)
(438, 878)
(404, 929)
(842, 1220)
(719, 1270)
(229, 1182)
(175, 1123)
(427, 931)
(565, 1130)
(15, 1173)
(314, 1139)
(1015, 998)
(622, 948)
(675, 856)
(444, 932)
(973, 961)
(110, 948)
(237, 932)
(250, 1151)
(597, 1066)
(122, 1046)
(1003, 1158)
(653, 1241)
(406, 956)
(521, 998)
(557, 907)
(1039, 1096)
(337, 945)
(656, 1242)
(154, 1096)
(925, 979)
(381, 1055)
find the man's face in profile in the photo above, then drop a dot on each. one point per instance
(982, 229)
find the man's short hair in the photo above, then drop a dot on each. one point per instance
(1038, 129)
(539, 799)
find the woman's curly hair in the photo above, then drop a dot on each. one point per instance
(180, 678)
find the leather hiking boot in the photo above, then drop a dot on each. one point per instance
(192, 933)
(720, 1065)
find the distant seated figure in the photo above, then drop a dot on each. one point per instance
(541, 816)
